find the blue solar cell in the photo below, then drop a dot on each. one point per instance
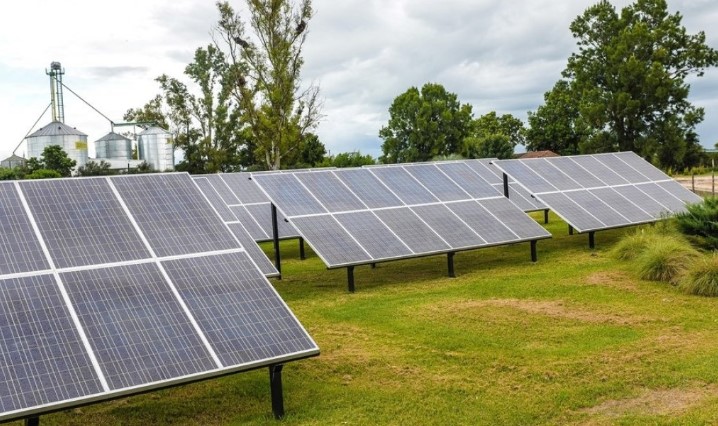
(237, 309)
(82, 222)
(225, 193)
(576, 172)
(285, 191)
(214, 199)
(520, 172)
(544, 168)
(662, 196)
(253, 250)
(520, 224)
(245, 189)
(641, 165)
(600, 170)
(439, 184)
(368, 188)
(646, 203)
(600, 210)
(575, 215)
(677, 190)
(330, 191)
(621, 168)
(250, 223)
(20, 249)
(137, 328)
(43, 358)
(173, 214)
(624, 206)
(403, 185)
(488, 226)
(330, 241)
(487, 172)
(472, 183)
(412, 230)
(449, 226)
(373, 235)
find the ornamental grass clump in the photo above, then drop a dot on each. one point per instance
(701, 278)
(665, 258)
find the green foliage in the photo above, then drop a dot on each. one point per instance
(150, 113)
(665, 258)
(701, 278)
(507, 125)
(424, 124)
(93, 168)
(450, 157)
(264, 71)
(53, 158)
(629, 80)
(556, 125)
(639, 239)
(349, 159)
(43, 174)
(701, 222)
(8, 174)
(309, 153)
(489, 146)
(145, 167)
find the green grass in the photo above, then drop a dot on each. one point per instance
(701, 278)
(575, 338)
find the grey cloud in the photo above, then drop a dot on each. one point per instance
(114, 71)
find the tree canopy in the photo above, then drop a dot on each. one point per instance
(556, 125)
(424, 124)
(629, 79)
(53, 162)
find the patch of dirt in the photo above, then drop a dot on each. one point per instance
(655, 402)
(614, 279)
(550, 308)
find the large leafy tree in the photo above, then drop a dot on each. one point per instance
(555, 126)
(494, 124)
(630, 76)
(424, 124)
(264, 67)
(495, 145)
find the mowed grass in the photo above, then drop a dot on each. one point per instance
(575, 338)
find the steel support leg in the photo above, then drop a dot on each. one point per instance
(534, 257)
(545, 216)
(275, 383)
(350, 278)
(275, 232)
(570, 230)
(591, 241)
(301, 249)
(32, 421)
(450, 261)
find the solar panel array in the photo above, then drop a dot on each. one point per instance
(520, 196)
(237, 228)
(601, 191)
(115, 285)
(366, 215)
(241, 202)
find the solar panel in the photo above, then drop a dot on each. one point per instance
(141, 307)
(520, 196)
(601, 191)
(237, 227)
(403, 211)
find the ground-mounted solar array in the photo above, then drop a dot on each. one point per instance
(237, 228)
(244, 203)
(517, 193)
(601, 191)
(116, 285)
(367, 215)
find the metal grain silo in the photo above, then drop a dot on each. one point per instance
(113, 146)
(156, 148)
(71, 140)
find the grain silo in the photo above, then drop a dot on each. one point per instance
(156, 148)
(113, 146)
(71, 140)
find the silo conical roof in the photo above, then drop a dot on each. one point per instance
(154, 130)
(112, 136)
(56, 128)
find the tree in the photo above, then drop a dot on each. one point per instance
(424, 124)
(93, 168)
(8, 174)
(53, 158)
(150, 113)
(492, 124)
(630, 74)
(556, 125)
(311, 153)
(489, 146)
(265, 72)
(349, 159)
(43, 174)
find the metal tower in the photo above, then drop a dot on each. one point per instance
(58, 104)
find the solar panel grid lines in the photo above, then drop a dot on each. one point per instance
(87, 332)
(614, 189)
(20, 250)
(214, 199)
(397, 217)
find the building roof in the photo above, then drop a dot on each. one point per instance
(538, 154)
(56, 128)
(154, 130)
(13, 158)
(112, 136)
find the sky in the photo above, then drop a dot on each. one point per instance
(495, 55)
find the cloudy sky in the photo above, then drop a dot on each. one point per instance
(495, 55)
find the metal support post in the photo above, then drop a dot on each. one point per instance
(32, 421)
(373, 266)
(570, 230)
(275, 234)
(275, 383)
(534, 257)
(506, 186)
(591, 241)
(301, 249)
(350, 278)
(545, 216)
(450, 261)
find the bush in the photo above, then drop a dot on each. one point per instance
(665, 258)
(701, 222)
(636, 242)
(702, 277)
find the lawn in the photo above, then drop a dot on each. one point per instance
(575, 338)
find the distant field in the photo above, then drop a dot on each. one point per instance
(572, 339)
